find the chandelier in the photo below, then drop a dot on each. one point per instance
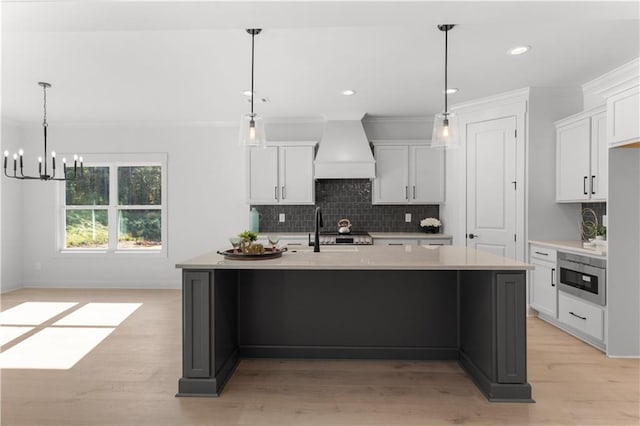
(43, 171)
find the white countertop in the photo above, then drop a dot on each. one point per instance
(574, 246)
(374, 235)
(367, 258)
(399, 235)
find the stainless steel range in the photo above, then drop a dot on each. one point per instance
(352, 238)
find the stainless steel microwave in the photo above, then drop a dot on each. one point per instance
(583, 276)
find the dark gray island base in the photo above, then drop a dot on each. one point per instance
(476, 317)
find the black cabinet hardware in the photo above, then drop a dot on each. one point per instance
(584, 185)
(472, 236)
(553, 273)
(592, 178)
(578, 316)
(544, 254)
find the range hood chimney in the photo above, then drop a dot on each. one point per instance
(344, 151)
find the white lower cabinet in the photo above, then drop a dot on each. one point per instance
(543, 295)
(580, 315)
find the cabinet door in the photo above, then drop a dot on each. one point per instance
(296, 175)
(426, 175)
(572, 161)
(262, 169)
(599, 157)
(544, 294)
(623, 117)
(391, 184)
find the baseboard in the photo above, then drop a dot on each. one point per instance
(119, 285)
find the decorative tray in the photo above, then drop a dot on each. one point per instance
(268, 254)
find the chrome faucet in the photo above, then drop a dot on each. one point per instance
(319, 224)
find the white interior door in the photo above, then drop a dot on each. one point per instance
(491, 187)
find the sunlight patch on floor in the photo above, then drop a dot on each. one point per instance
(99, 314)
(7, 334)
(54, 348)
(33, 313)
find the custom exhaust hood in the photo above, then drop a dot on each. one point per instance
(344, 151)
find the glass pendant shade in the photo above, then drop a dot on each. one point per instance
(445, 131)
(252, 131)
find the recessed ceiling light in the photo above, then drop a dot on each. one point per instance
(452, 90)
(348, 92)
(518, 50)
(247, 93)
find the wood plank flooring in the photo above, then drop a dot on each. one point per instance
(131, 378)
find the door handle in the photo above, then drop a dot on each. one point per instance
(472, 236)
(578, 316)
(584, 185)
(553, 273)
(592, 178)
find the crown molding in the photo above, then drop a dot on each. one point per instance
(514, 96)
(614, 81)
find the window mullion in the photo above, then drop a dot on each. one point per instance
(113, 207)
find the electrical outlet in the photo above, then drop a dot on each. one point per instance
(281, 217)
(407, 217)
(605, 220)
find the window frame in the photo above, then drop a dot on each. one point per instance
(113, 162)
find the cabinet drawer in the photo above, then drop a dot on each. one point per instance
(543, 253)
(436, 242)
(395, 242)
(581, 315)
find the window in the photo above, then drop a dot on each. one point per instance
(116, 206)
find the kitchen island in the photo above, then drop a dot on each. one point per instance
(365, 302)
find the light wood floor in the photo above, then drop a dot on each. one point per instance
(131, 379)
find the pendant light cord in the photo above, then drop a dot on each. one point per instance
(446, 55)
(253, 36)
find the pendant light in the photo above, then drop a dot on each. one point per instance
(445, 125)
(42, 174)
(251, 125)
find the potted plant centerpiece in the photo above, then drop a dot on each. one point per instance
(247, 245)
(431, 225)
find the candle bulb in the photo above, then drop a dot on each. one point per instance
(40, 165)
(21, 153)
(81, 166)
(6, 154)
(64, 166)
(53, 159)
(15, 163)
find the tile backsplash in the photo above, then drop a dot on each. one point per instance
(599, 209)
(350, 199)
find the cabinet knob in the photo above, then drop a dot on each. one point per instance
(472, 236)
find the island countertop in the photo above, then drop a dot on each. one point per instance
(367, 258)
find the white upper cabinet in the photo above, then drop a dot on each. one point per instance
(408, 172)
(281, 173)
(426, 174)
(581, 157)
(623, 117)
(391, 185)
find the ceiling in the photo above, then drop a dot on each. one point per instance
(188, 62)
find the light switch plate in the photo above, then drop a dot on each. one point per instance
(407, 217)
(281, 217)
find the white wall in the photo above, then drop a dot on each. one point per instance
(11, 224)
(623, 269)
(548, 220)
(205, 200)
